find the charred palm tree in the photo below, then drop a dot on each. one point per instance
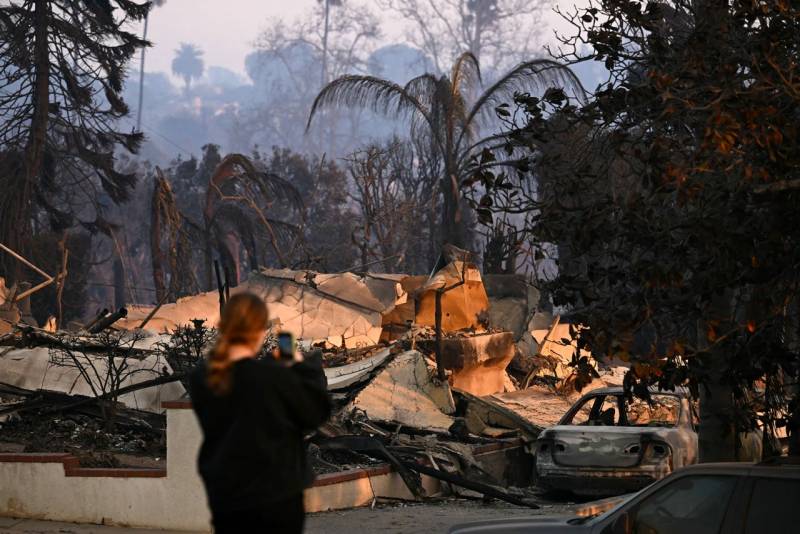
(441, 111)
(236, 222)
(170, 248)
(239, 200)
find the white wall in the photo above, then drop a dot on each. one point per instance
(40, 490)
(177, 501)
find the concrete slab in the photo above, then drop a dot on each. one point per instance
(345, 376)
(405, 392)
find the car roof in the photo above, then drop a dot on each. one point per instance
(617, 390)
(783, 468)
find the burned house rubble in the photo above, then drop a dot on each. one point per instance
(424, 371)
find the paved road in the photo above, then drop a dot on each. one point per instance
(392, 519)
(413, 518)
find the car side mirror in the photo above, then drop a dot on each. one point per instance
(623, 524)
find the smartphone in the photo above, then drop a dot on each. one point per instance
(286, 346)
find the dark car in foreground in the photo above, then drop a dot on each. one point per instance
(732, 498)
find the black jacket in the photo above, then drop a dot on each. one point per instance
(252, 451)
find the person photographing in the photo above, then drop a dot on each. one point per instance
(254, 414)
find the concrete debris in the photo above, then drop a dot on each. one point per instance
(479, 362)
(396, 321)
(509, 384)
(527, 346)
(557, 347)
(485, 417)
(536, 404)
(513, 302)
(406, 392)
(380, 346)
(464, 307)
(345, 376)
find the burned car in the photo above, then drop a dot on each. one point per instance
(607, 444)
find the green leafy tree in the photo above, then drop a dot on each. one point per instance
(444, 112)
(188, 64)
(669, 202)
(62, 65)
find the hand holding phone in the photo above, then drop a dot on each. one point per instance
(287, 346)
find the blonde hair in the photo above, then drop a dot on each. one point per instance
(244, 319)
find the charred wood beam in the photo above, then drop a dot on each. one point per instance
(367, 444)
(220, 286)
(39, 399)
(456, 480)
(108, 320)
(102, 313)
(405, 467)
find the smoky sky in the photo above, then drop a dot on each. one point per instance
(227, 29)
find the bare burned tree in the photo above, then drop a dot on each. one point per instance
(500, 33)
(62, 66)
(105, 364)
(186, 347)
(331, 39)
(393, 198)
(170, 245)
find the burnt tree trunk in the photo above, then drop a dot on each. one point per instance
(119, 283)
(18, 206)
(717, 436)
(156, 254)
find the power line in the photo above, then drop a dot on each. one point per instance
(101, 284)
(152, 130)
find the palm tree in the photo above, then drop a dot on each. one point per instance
(442, 113)
(188, 63)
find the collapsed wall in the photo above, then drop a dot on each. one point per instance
(341, 310)
(349, 311)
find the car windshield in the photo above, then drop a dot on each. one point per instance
(662, 410)
(614, 410)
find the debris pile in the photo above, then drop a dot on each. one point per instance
(422, 370)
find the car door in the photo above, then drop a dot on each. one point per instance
(690, 504)
(772, 505)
